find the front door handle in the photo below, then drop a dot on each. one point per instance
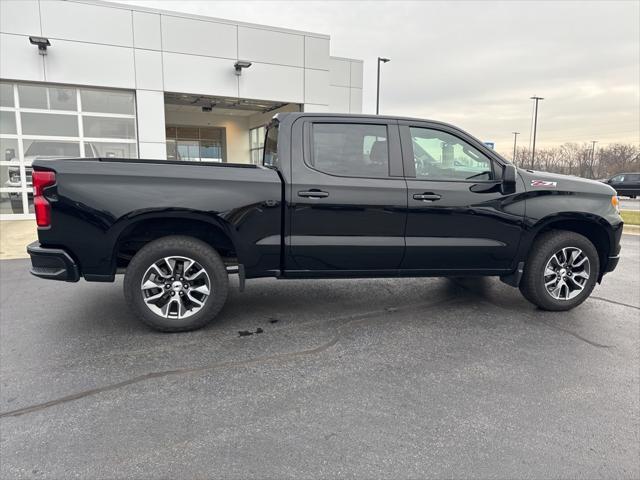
(427, 197)
(313, 194)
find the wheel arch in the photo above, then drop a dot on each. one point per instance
(132, 235)
(596, 229)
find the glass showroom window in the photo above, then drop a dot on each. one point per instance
(256, 143)
(47, 121)
(196, 144)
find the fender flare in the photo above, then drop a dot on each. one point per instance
(531, 232)
(130, 221)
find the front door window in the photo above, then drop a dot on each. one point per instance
(441, 156)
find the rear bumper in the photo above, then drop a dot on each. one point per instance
(52, 263)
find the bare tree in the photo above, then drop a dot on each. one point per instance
(580, 160)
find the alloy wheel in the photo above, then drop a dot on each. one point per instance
(567, 273)
(175, 287)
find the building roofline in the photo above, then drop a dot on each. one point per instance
(347, 59)
(173, 13)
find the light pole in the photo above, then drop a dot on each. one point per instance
(593, 155)
(535, 127)
(383, 60)
(515, 140)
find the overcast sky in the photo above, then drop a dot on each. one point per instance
(476, 63)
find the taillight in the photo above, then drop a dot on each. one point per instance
(41, 180)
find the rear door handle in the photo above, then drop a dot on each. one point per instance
(427, 197)
(313, 194)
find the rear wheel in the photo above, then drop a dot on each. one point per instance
(176, 284)
(561, 271)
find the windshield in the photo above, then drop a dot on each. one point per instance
(270, 158)
(53, 149)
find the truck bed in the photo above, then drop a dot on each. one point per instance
(95, 201)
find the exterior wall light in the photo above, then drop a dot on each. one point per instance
(42, 44)
(240, 65)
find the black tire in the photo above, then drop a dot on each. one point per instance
(544, 247)
(185, 246)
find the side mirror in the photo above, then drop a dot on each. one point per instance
(509, 175)
(9, 154)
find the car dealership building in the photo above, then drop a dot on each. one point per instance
(98, 79)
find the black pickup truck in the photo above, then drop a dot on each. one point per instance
(337, 196)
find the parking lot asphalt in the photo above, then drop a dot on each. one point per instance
(388, 378)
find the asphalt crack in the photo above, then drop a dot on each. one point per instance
(602, 299)
(551, 325)
(348, 321)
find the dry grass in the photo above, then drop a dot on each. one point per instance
(631, 217)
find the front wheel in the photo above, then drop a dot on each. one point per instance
(561, 271)
(176, 284)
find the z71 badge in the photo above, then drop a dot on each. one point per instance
(543, 183)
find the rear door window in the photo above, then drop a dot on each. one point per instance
(351, 150)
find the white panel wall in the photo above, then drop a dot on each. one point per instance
(270, 47)
(149, 69)
(146, 31)
(86, 23)
(345, 85)
(339, 99)
(152, 151)
(316, 87)
(340, 72)
(355, 100)
(19, 60)
(356, 74)
(20, 16)
(197, 37)
(310, 107)
(273, 82)
(90, 64)
(316, 53)
(150, 111)
(317, 75)
(195, 74)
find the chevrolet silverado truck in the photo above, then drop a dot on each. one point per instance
(336, 196)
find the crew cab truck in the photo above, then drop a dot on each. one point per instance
(337, 196)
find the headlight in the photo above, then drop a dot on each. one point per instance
(616, 203)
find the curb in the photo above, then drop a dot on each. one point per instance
(631, 230)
